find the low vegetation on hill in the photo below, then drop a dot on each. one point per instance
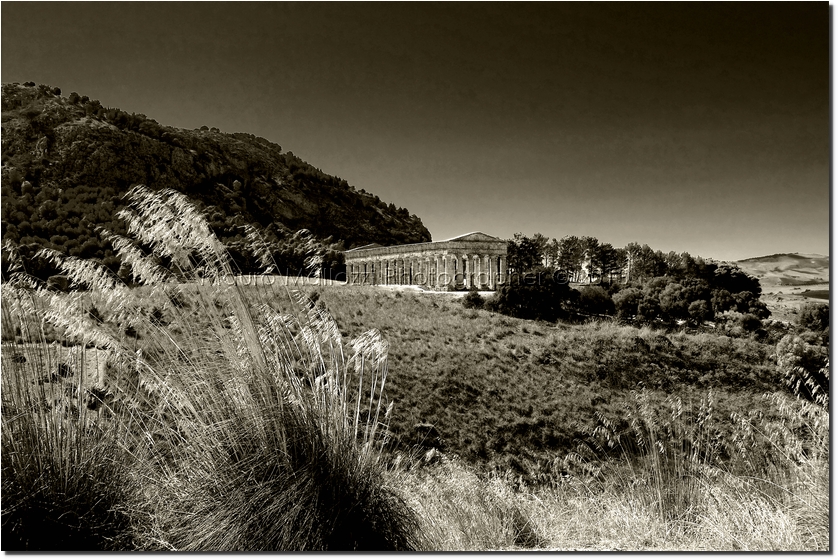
(68, 161)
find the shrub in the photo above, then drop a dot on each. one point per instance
(626, 302)
(699, 311)
(814, 316)
(648, 309)
(473, 300)
(805, 368)
(535, 295)
(594, 300)
(750, 322)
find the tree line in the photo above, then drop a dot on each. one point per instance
(635, 283)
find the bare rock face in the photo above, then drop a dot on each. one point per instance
(67, 161)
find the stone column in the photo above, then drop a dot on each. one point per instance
(454, 270)
(502, 269)
(475, 271)
(466, 272)
(444, 279)
(493, 272)
(428, 279)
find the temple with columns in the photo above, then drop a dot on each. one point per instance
(471, 260)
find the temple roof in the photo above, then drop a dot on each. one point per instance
(370, 246)
(473, 236)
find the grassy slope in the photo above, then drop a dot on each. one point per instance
(505, 390)
(514, 393)
(787, 269)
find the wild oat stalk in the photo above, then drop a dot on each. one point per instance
(664, 457)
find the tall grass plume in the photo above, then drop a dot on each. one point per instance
(232, 426)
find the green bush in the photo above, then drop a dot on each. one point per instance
(594, 300)
(535, 295)
(750, 322)
(805, 368)
(626, 302)
(814, 316)
(473, 300)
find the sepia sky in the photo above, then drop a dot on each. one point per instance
(691, 127)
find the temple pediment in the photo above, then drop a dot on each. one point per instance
(474, 236)
(370, 246)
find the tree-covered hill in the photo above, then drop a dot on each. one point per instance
(67, 161)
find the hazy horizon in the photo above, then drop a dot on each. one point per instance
(690, 127)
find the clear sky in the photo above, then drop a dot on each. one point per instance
(691, 127)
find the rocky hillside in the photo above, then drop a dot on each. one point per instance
(67, 161)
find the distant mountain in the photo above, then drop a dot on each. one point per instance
(67, 161)
(788, 269)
